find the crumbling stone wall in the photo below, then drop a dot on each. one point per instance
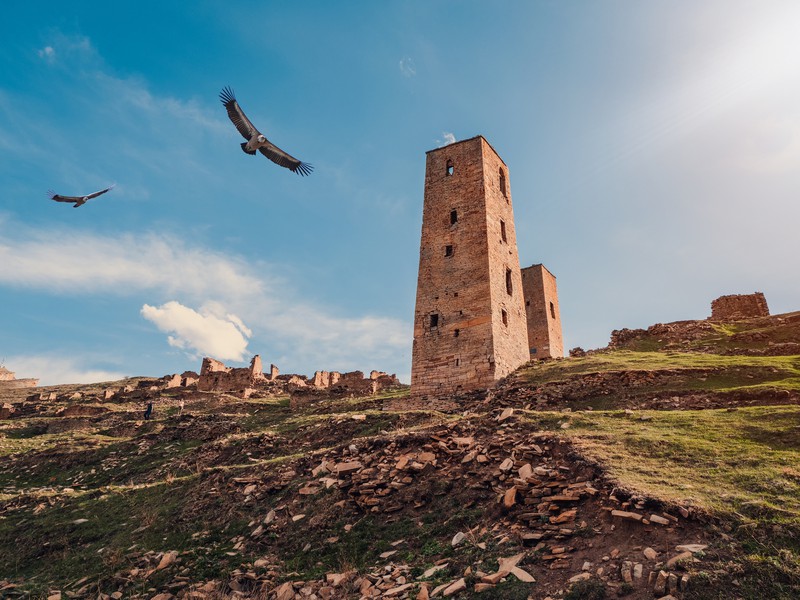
(216, 377)
(739, 306)
(326, 385)
(469, 322)
(545, 339)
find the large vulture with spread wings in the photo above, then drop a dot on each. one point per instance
(256, 140)
(78, 200)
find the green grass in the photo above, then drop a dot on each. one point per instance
(743, 463)
(685, 370)
(741, 466)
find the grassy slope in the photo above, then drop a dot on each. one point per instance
(743, 466)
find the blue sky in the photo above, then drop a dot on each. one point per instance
(653, 149)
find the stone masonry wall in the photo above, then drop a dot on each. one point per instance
(543, 314)
(509, 323)
(460, 340)
(215, 376)
(739, 306)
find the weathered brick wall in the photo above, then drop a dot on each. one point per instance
(462, 275)
(739, 306)
(543, 314)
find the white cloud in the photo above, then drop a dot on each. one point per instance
(55, 370)
(205, 333)
(407, 67)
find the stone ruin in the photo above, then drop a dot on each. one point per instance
(9, 381)
(739, 306)
(326, 384)
(216, 377)
(731, 308)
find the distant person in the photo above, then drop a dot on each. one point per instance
(148, 411)
(180, 404)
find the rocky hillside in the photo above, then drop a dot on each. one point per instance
(666, 465)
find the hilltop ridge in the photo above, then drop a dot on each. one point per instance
(666, 463)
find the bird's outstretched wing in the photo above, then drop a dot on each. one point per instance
(101, 192)
(279, 157)
(59, 198)
(236, 114)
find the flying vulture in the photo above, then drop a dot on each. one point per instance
(256, 140)
(78, 200)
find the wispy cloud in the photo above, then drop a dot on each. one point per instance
(52, 369)
(80, 263)
(447, 138)
(207, 333)
(407, 67)
(48, 54)
(229, 290)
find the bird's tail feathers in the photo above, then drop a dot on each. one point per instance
(245, 150)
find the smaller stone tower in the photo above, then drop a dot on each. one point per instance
(541, 307)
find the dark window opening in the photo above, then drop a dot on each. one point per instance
(458, 362)
(503, 183)
(455, 294)
(449, 167)
(456, 333)
(509, 287)
(504, 315)
(533, 350)
(434, 320)
(552, 310)
(448, 251)
(503, 230)
(527, 302)
(453, 217)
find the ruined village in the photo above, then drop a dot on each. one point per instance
(505, 470)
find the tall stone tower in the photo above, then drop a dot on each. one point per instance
(544, 317)
(469, 324)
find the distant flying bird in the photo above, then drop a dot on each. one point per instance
(78, 200)
(256, 140)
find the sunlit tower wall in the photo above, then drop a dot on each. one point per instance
(544, 316)
(469, 323)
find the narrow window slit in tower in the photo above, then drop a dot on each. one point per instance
(448, 251)
(434, 320)
(503, 230)
(503, 183)
(509, 287)
(504, 314)
(453, 217)
(449, 168)
(458, 362)
(456, 333)
(552, 310)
